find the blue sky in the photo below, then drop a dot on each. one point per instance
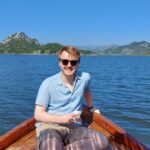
(77, 22)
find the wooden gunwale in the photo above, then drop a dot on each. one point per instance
(16, 133)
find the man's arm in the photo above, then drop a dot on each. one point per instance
(40, 114)
(88, 99)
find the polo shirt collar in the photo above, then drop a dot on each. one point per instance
(60, 82)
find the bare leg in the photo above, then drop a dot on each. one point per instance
(50, 139)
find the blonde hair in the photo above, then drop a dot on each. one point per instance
(70, 50)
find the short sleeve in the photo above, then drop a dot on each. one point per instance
(88, 83)
(43, 96)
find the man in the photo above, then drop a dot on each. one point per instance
(58, 100)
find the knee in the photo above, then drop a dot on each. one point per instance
(96, 134)
(49, 139)
(99, 139)
(49, 134)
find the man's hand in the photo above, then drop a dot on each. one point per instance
(70, 118)
(95, 110)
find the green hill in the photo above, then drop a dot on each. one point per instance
(51, 48)
(19, 46)
(134, 48)
(20, 43)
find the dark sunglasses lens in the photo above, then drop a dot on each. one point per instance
(64, 62)
(73, 62)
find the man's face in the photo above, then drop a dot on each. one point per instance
(68, 64)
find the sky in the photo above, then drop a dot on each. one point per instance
(77, 22)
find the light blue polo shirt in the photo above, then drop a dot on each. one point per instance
(58, 99)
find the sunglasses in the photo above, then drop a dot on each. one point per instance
(66, 61)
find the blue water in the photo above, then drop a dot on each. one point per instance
(120, 85)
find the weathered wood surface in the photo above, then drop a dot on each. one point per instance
(16, 133)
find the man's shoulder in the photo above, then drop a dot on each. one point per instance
(85, 75)
(51, 79)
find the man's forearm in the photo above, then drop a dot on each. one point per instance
(46, 117)
(88, 99)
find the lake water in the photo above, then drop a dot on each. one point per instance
(120, 85)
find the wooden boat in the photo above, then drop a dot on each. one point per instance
(23, 137)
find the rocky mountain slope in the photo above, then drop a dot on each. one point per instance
(134, 48)
(21, 43)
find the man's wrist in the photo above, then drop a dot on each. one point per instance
(91, 107)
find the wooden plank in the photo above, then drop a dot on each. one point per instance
(16, 133)
(112, 131)
(28, 142)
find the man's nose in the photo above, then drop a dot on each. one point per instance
(69, 64)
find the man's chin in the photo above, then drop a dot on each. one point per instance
(69, 73)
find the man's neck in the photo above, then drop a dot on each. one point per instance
(68, 79)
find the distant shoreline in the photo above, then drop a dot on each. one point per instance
(81, 54)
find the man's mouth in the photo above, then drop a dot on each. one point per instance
(69, 68)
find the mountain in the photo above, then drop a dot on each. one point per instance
(20, 43)
(134, 48)
(20, 36)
